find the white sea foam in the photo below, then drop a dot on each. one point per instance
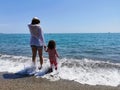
(83, 71)
(90, 72)
(13, 64)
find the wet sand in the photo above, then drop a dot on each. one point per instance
(12, 82)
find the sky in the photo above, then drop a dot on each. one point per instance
(61, 16)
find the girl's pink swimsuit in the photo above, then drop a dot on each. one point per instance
(53, 56)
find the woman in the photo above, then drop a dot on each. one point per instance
(37, 41)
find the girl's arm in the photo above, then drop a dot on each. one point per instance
(56, 53)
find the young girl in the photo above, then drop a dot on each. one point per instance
(52, 52)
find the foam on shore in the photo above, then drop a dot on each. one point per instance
(84, 71)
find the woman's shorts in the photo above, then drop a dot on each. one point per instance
(37, 47)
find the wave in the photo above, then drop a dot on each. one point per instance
(85, 71)
(91, 72)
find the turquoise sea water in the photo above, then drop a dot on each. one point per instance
(97, 46)
(87, 58)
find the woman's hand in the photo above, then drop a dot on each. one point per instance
(45, 49)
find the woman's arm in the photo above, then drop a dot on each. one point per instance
(41, 36)
(34, 32)
(45, 49)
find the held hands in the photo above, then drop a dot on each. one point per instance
(45, 48)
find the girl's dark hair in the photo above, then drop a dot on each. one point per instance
(51, 44)
(35, 21)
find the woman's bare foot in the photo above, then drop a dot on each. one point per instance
(40, 67)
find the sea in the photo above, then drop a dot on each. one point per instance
(87, 58)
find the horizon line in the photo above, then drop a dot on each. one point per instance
(67, 33)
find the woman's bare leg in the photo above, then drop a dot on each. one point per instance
(34, 53)
(40, 57)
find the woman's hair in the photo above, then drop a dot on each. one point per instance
(35, 20)
(51, 44)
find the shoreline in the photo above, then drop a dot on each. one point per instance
(33, 83)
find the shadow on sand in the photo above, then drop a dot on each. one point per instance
(27, 72)
(15, 75)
